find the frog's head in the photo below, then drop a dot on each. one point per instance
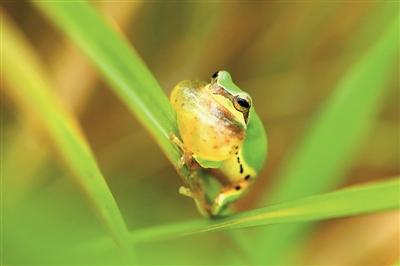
(222, 84)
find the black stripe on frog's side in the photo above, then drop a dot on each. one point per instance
(240, 165)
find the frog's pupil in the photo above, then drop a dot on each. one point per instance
(215, 75)
(243, 103)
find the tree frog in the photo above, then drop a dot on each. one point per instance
(219, 130)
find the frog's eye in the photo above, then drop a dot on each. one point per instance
(241, 103)
(215, 75)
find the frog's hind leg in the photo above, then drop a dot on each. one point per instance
(228, 195)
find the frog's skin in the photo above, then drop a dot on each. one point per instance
(220, 129)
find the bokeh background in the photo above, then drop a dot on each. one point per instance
(289, 55)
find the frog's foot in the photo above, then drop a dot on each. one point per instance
(201, 204)
(187, 156)
(218, 204)
(186, 192)
(188, 160)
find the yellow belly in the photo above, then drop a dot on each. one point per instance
(207, 128)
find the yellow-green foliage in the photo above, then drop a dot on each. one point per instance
(136, 216)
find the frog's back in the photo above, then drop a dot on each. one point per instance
(206, 127)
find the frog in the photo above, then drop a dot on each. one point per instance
(220, 131)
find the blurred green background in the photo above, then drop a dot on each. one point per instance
(289, 55)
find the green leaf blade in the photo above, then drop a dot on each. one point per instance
(30, 88)
(381, 196)
(121, 65)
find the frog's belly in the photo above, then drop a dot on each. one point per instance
(207, 128)
(209, 140)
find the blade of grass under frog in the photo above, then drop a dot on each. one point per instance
(380, 196)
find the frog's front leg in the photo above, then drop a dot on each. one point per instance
(194, 185)
(228, 195)
(186, 160)
(187, 156)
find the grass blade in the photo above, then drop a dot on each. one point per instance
(357, 200)
(121, 66)
(29, 86)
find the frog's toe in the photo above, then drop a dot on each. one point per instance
(216, 209)
(185, 160)
(182, 162)
(188, 160)
(217, 205)
(186, 191)
(174, 139)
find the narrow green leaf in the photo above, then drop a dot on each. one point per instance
(357, 200)
(326, 151)
(29, 86)
(121, 65)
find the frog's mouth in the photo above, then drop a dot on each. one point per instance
(218, 90)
